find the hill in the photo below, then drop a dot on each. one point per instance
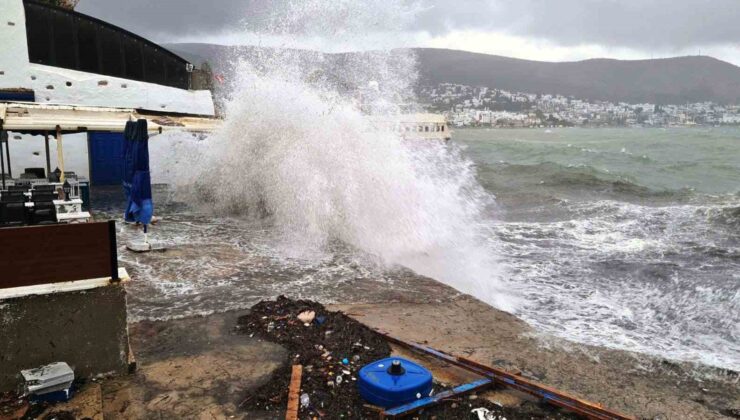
(663, 81)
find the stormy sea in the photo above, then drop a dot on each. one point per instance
(624, 238)
(628, 238)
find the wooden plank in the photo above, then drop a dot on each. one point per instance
(293, 393)
(35, 255)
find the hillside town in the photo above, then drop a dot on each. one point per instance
(470, 106)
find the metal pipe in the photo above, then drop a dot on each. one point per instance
(549, 395)
(48, 157)
(417, 405)
(60, 154)
(113, 251)
(2, 158)
(7, 154)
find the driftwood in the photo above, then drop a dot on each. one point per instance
(293, 393)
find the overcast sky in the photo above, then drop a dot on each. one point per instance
(553, 30)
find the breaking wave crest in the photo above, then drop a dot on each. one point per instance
(298, 149)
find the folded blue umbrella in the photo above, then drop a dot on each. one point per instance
(137, 183)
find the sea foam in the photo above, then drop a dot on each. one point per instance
(297, 148)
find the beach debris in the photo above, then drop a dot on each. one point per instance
(50, 382)
(345, 361)
(486, 414)
(550, 395)
(295, 388)
(307, 317)
(325, 354)
(12, 406)
(305, 400)
(393, 382)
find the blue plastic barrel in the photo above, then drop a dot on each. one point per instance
(394, 381)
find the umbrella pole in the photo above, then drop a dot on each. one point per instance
(2, 158)
(48, 156)
(7, 154)
(60, 154)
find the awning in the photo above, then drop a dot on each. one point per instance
(30, 117)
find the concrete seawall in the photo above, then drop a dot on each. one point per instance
(86, 329)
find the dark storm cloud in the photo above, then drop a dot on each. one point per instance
(170, 19)
(621, 23)
(641, 24)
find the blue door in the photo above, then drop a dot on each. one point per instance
(106, 158)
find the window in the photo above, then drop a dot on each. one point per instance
(133, 57)
(87, 37)
(65, 45)
(38, 32)
(177, 73)
(111, 53)
(154, 69)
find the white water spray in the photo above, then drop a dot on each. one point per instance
(297, 148)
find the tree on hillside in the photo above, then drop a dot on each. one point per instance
(66, 4)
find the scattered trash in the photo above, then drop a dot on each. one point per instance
(60, 415)
(50, 383)
(323, 357)
(393, 382)
(307, 316)
(486, 414)
(12, 406)
(325, 353)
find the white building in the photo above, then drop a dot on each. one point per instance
(56, 56)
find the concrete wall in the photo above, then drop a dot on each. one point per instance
(87, 330)
(51, 83)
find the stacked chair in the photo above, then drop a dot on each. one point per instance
(44, 210)
(13, 208)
